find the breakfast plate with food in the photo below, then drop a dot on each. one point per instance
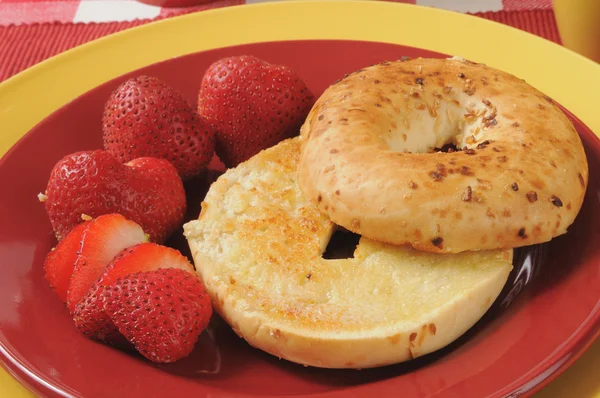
(319, 209)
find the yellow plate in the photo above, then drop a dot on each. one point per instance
(547, 66)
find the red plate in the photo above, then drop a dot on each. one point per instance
(548, 314)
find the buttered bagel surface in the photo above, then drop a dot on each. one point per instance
(258, 246)
(371, 157)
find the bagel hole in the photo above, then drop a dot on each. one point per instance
(342, 244)
(447, 148)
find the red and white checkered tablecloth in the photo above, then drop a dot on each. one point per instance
(16, 12)
(33, 30)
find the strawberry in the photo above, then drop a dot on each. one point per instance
(161, 312)
(91, 320)
(145, 190)
(145, 117)
(144, 257)
(252, 105)
(89, 315)
(102, 240)
(59, 263)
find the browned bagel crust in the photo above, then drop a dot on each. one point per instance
(371, 158)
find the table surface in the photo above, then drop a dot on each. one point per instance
(64, 24)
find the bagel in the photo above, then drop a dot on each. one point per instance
(258, 246)
(371, 157)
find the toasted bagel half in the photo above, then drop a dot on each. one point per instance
(258, 246)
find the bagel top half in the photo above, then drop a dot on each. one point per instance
(371, 158)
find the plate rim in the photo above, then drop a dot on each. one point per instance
(17, 91)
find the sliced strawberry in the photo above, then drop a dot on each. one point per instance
(89, 315)
(144, 257)
(102, 240)
(161, 312)
(60, 262)
(91, 320)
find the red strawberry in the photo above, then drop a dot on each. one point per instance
(145, 117)
(89, 315)
(102, 240)
(161, 312)
(91, 320)
(144, 257)
(59, 263)
(252, 105)
(145, 190)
